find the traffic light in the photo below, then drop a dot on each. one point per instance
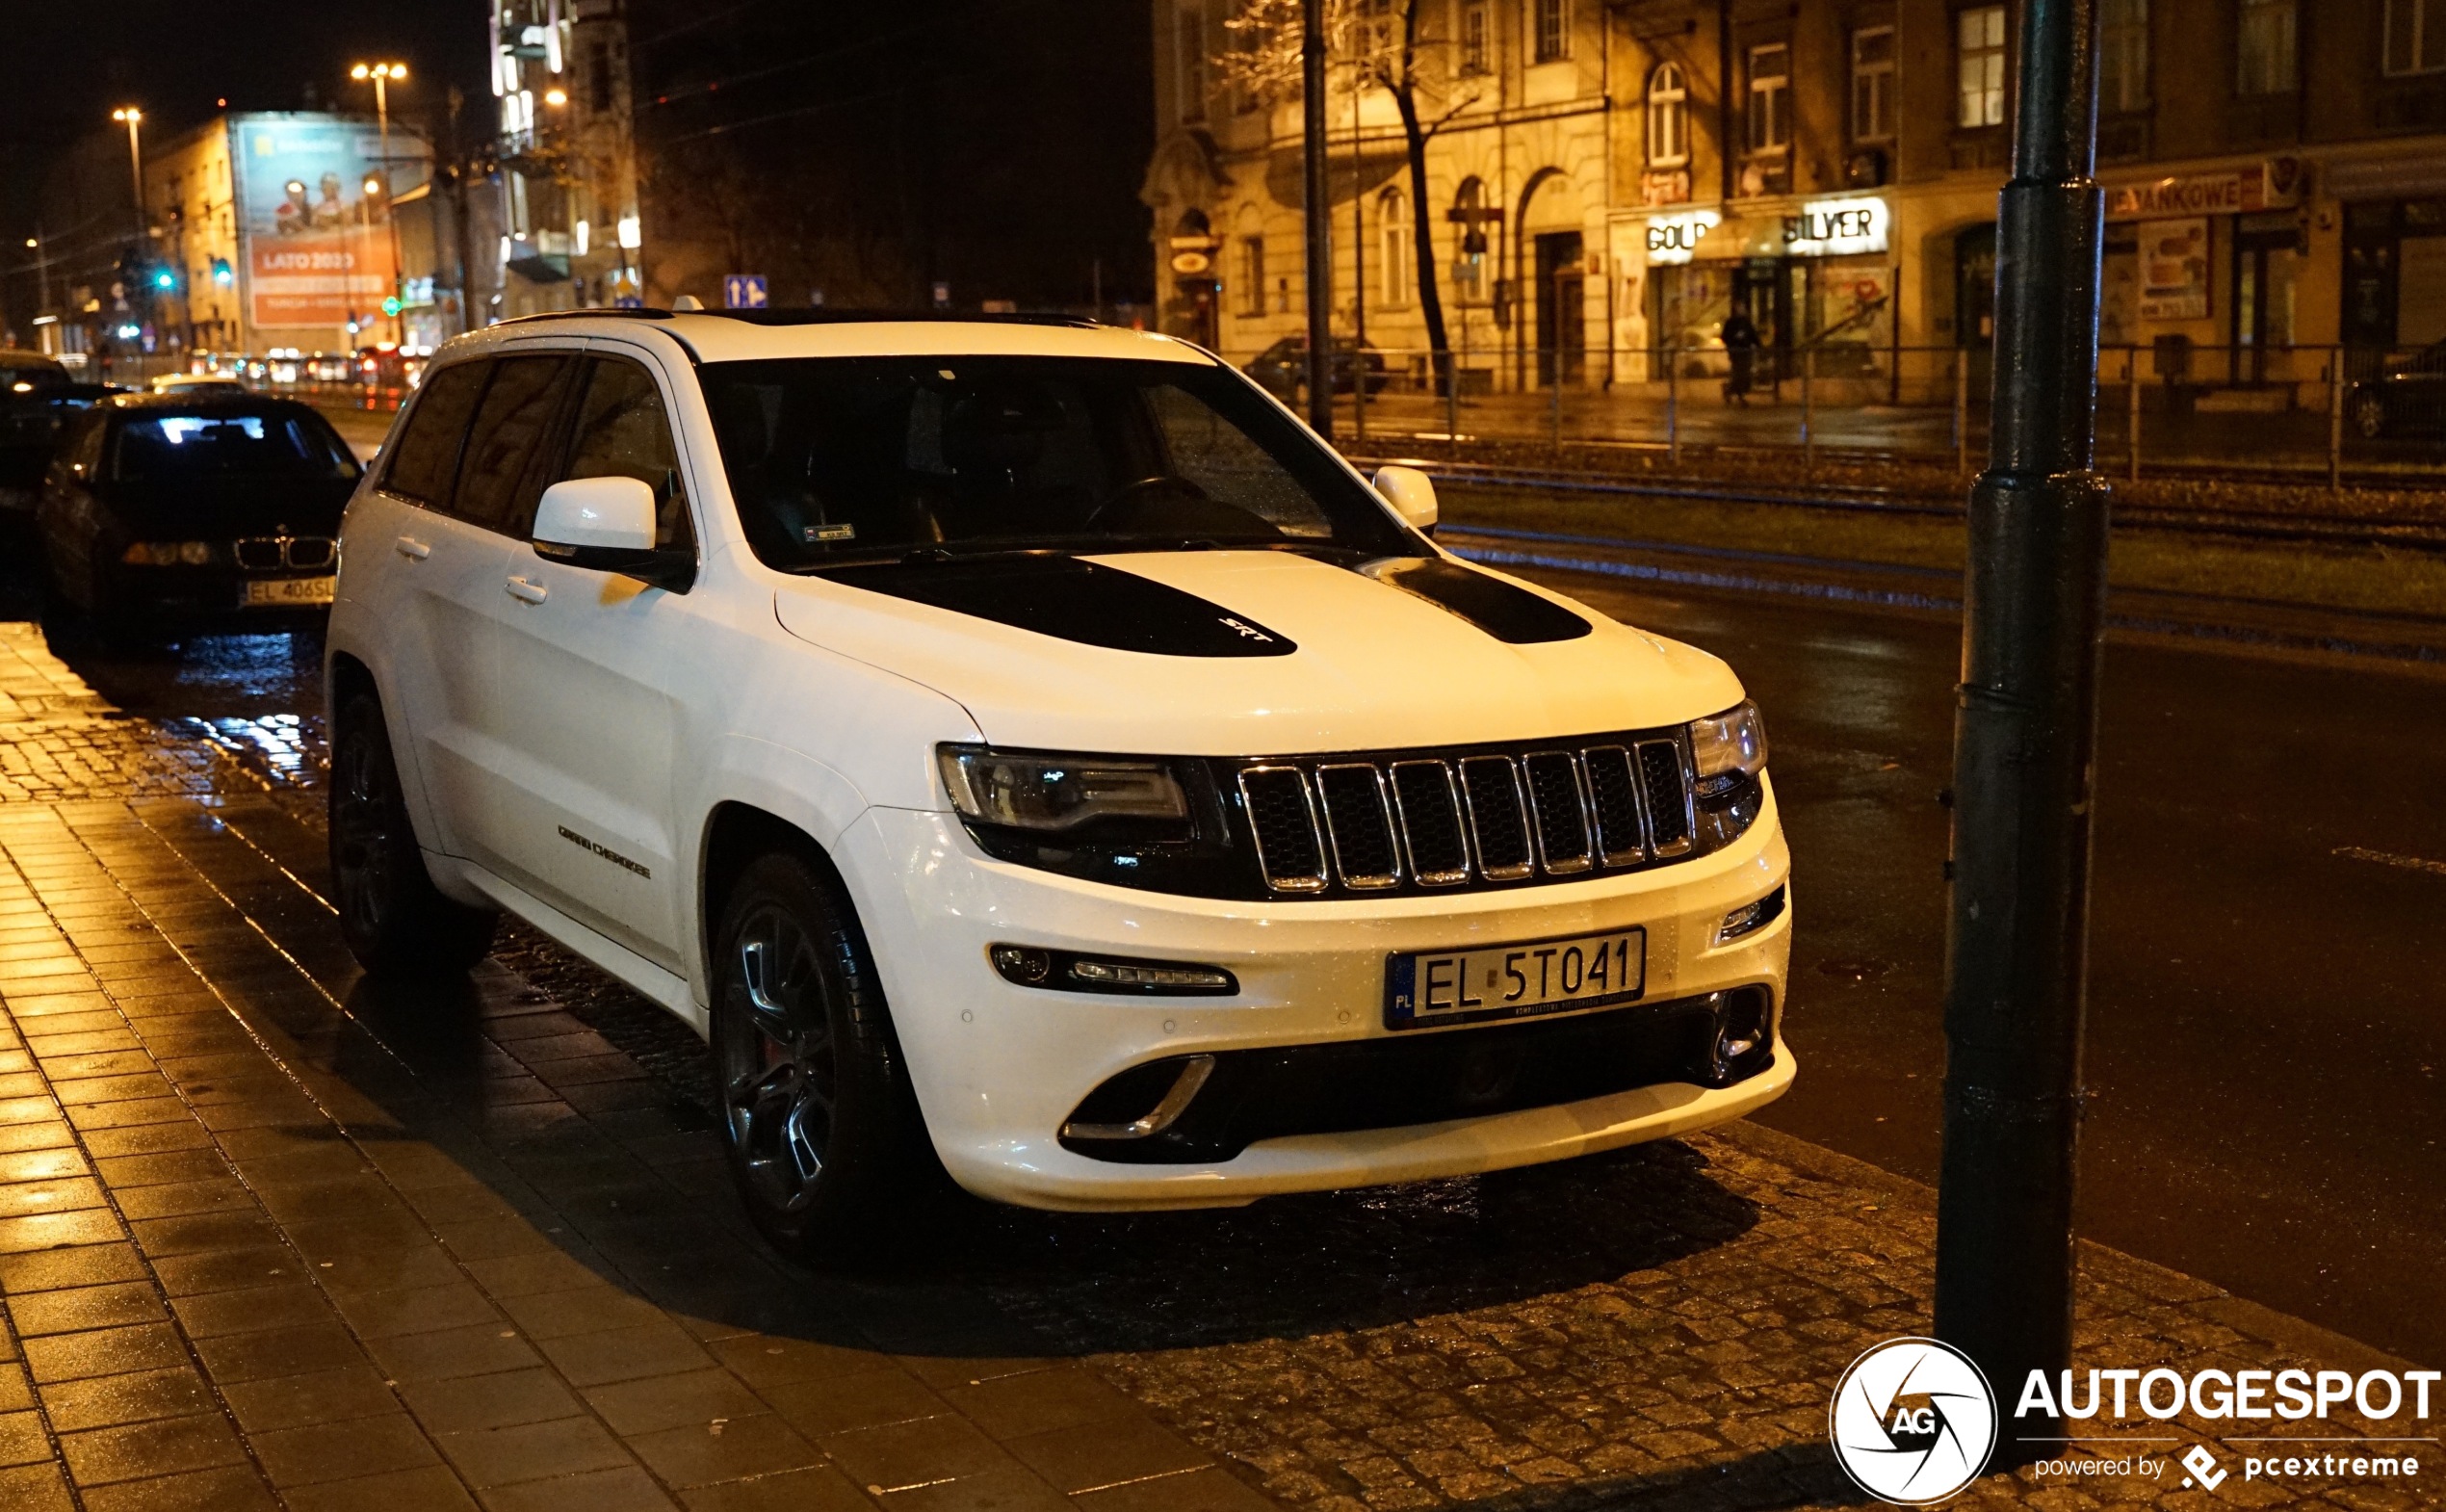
(163, 279)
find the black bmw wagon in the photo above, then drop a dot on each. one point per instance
(168, 508)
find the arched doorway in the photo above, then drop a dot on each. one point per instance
(1196, 283)
(1554, 249)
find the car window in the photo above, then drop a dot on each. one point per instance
(81, 449)
(498, 473)
(622, 431)
(425, 461)
(157, 448)
(840, 458)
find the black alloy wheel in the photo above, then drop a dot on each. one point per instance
(2369, 416)
(821, 1128)
(397, 923)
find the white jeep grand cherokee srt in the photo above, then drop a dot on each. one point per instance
(1024, 744)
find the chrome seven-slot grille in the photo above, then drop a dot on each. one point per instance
(1548, 812)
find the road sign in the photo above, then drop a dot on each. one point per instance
(743, 291)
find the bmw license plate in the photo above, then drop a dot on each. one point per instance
(264, 592)
(1511, 981)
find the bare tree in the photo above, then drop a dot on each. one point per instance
(1382, 46)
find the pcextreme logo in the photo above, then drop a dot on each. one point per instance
(1912, 1421)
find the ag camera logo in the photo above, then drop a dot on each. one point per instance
(1912, 1421)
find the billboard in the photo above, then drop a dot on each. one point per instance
(319, 249)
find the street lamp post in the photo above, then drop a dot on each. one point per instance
(134, 119)
(1319, 218)
(381, 75)
(2025, 745)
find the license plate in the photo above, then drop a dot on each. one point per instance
(1510, 982)
(288, 590)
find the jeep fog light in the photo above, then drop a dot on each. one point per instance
(1063, 970)
(1751, 918)
(1043, 791)
(1744, 1034)
(1728, 747)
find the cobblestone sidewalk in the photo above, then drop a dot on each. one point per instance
(273, 1236)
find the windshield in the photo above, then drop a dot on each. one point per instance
(157, 448)
(835, 459)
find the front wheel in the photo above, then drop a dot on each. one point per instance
(397, 923)
(822, 1131)
(2369, 416)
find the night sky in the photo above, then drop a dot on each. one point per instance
(64, 65)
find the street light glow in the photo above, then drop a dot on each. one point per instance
(556, 97)
(395, 73)
(128, 113)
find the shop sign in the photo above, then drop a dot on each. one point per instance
(2274, 184)
(1672, 239)
(1835, 229)
(2174, 270)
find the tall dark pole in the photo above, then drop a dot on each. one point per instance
(2024, 753)
(1320, 255)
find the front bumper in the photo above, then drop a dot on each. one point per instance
(1000, 1068)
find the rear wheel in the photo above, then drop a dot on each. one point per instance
(2369, 416)
(823, 1133)
(396, 921)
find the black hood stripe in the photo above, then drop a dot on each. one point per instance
(1508, 612)
(1086, 602)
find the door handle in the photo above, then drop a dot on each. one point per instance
(526, 589)
(410, 547)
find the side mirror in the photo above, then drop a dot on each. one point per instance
(1412, 494)
(608, 525)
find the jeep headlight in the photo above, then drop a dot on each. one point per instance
(1728, 749)
(1056, 793)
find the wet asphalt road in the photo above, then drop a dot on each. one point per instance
(2267, 1023)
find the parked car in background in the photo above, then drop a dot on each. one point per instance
(161, 509)
(2407, 397)
(1282, 369)
(28, 382)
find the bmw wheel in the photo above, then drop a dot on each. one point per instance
(823, 1131)
(2369, 416)
(396, 921)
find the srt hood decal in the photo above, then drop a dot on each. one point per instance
(1509, 613)
(1072, 600)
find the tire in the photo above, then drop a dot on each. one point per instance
(396, 921)
(2369, 416)
(820, 1124)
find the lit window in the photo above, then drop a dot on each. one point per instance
(1473, 50)
(1770, 97)
(2264, 53)
(1393, 220)
(2122, 55)
(1668, 116)
(1873, 83)
(1192, 40)
(2415, 36)
(1978, 52)
(1553, 30)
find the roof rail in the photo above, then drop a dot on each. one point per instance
(628, 312)
(825, 315)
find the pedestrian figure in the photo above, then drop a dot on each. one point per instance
(1741, 344)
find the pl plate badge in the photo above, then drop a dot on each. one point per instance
(1912, 1421)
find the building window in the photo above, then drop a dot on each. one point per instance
(1469, 263)
(2264, 57)
(2123, 57)
(1473, 37)
(1392, 233)
(1978, 54)
(1873, 83)
(1668, 116)
(1553, 30)
(1192, 44)
(1770, 97)
(1251, 276)
(2415, 36)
